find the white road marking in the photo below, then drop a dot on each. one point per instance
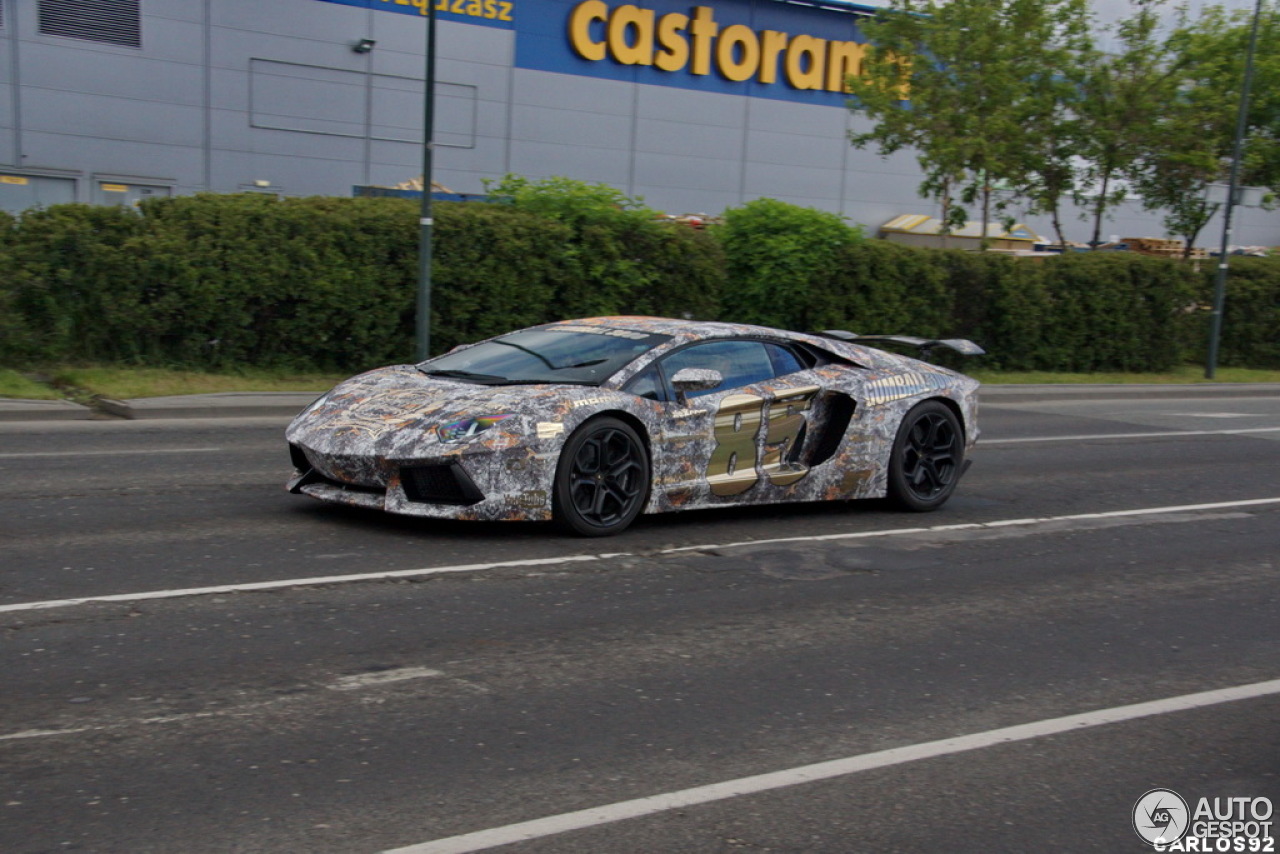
(595, 558)
(41, 733)
(115, 453)
(344, 683)
(551, 825)
(1211, 414)
(365, 680)
(303, 582)
(1164, 434)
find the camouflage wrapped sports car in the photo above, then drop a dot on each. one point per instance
(593, 422)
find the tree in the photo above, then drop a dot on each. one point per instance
(1262, 152)
(1124, 94)
(1190, 143)
(977, 88)
(1212, 52)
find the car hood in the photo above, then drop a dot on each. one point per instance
(399, 412)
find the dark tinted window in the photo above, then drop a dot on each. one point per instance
(546, 355)
(784, 361)
(739, 362)
(648, 384)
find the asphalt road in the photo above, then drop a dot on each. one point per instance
(802, 679)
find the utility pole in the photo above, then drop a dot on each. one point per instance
(1233, 185)
(423, 324)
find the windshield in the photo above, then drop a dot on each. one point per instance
(566, 354)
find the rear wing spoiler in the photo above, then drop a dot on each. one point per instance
(961, 345)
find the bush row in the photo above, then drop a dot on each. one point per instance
(220, 282)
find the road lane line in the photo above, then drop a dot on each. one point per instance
(42, 733)
(981, 526)
(1168, 434)
(551, 825)
(383, 677)
(328, 580)
(318, 581)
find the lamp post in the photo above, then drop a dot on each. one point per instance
(423, 323)
(1233, 184)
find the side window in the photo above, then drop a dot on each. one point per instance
(739, 362)
(648, 384)
(784, 361)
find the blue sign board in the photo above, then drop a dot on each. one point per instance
(759, 48)
(490, 13)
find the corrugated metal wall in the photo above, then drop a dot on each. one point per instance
(244, 95)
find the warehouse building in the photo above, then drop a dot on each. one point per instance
(694, 108)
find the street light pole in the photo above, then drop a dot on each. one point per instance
(1220, 278)
(423, 322)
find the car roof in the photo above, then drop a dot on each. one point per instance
(689, 330)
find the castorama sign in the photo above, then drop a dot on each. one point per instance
(762, 48)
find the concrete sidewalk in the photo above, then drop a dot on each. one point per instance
(287, 404)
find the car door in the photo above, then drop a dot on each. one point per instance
(753, 426)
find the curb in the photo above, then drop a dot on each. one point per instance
(12, 409)
(233, 404)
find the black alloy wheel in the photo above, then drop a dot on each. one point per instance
(602, 481)
(928, 458)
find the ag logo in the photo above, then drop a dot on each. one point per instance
(1161, 816)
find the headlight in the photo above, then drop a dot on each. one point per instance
(460, 431)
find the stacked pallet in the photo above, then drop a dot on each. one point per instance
(1162, 247)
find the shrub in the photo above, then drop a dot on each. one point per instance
(779, 259)
(1250, 319)
(222, 282)
(1114, 312)
(879, 287)
(618, 257)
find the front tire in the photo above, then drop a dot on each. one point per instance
(602, 480)
(927, 459)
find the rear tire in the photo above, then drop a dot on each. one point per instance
(602, 479)
(927, 459)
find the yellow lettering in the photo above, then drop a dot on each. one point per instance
(505, 6)
(422, 6)
(738, 53)
(806, 57)
(704, 29)
(771, 44)
(490, 9)
(632, 35)
(844, 60)
(640, 22)
(475, 8)
(675, 47)
(580, 20)
(458, 7)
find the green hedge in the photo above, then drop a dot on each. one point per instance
(319, 283)
(1251, 315)
(330, 284)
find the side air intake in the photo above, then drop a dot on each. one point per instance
(439, 484)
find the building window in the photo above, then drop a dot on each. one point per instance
(112, 21)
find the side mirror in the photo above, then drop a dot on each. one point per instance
(689, 380)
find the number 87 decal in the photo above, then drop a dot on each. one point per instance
(736, 462)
